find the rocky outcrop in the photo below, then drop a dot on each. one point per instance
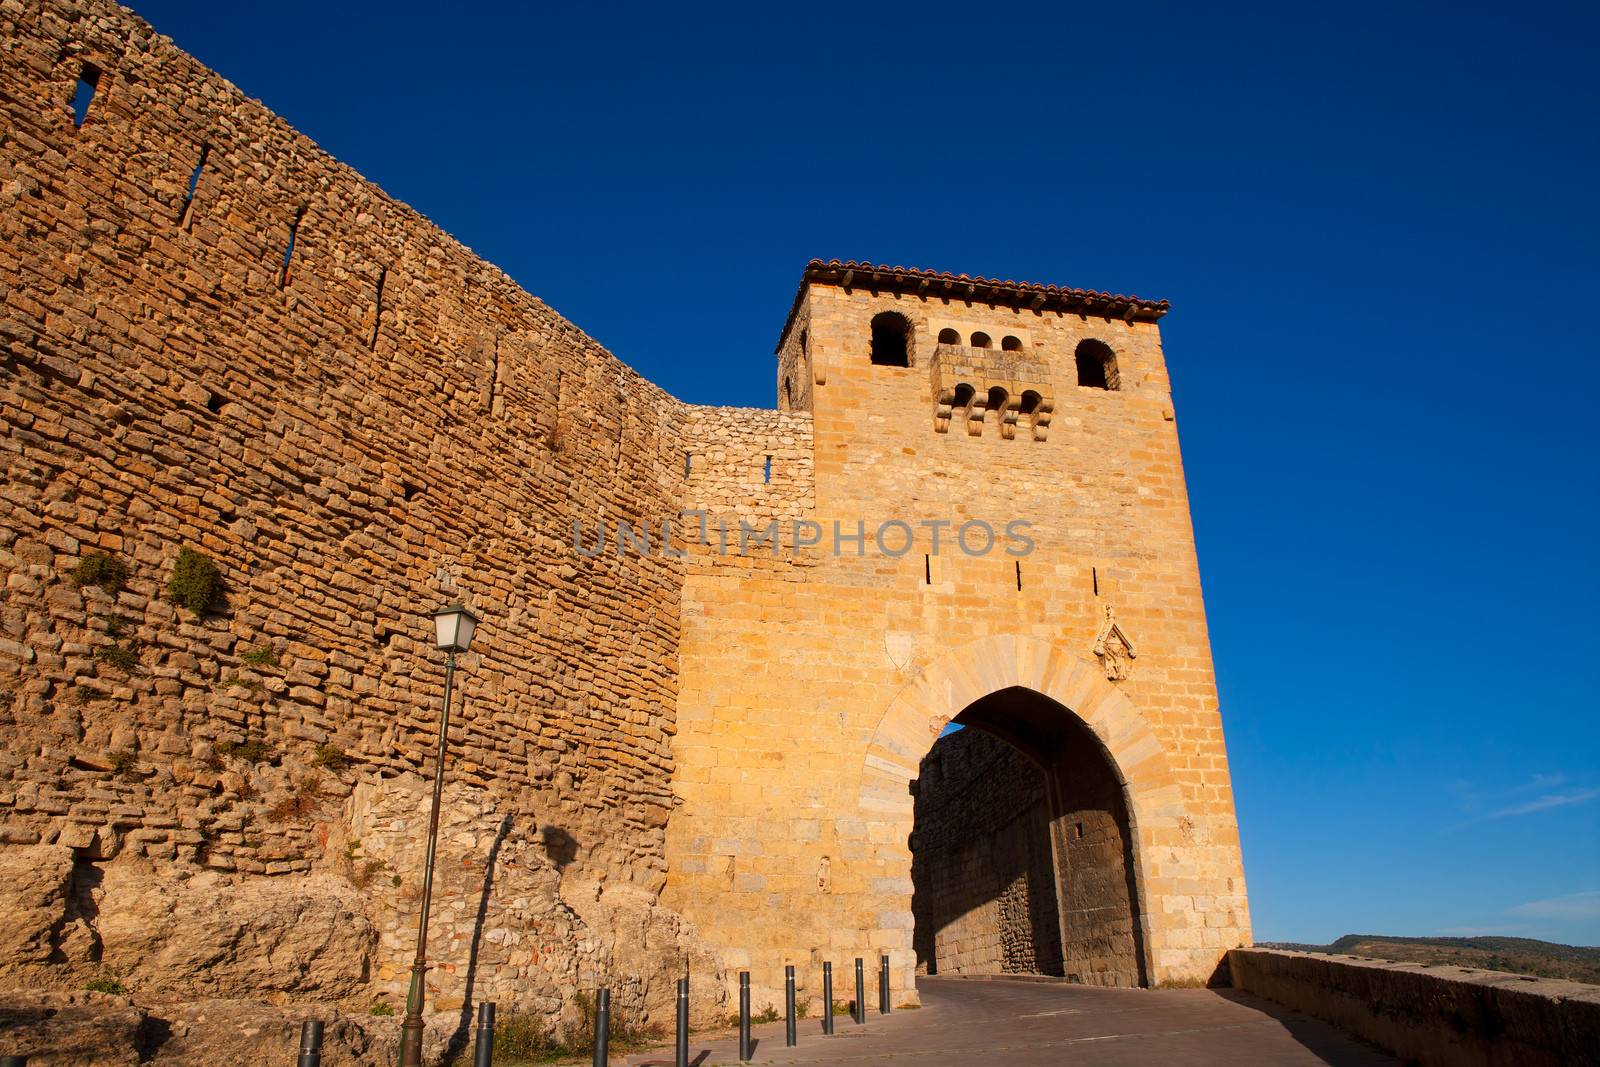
(97, 1030)
(220, 936)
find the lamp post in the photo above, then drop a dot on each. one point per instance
(453, 629)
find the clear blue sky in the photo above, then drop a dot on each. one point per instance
(1378, 229)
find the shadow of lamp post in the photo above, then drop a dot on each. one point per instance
(453, 629)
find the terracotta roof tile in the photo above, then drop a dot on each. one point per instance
(920, 282)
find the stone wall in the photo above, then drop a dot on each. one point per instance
(985, 898)
(1435, 1016)
(357, 420)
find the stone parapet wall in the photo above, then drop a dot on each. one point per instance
(1444, 1016)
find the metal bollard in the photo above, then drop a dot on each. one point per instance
(827, 998)
(602, 1026)
(483, 1049)
(861, 993)
(788, 1006)
(310, 1044)
(681, 1053)
(883, 985)
(744, 1016)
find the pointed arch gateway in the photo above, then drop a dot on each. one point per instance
(1110, 790)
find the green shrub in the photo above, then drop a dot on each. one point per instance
(331, 758)
(260, 657)
(519, 1036)
(249, 685)
(196, 582)
(122, 762)
(101, 569)
(106, 984)
(123, 657)
(251, 751)
(381, 1008)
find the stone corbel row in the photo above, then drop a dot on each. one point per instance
(974, 411)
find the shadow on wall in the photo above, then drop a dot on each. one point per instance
(458, 1040)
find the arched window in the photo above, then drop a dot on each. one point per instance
(1029, 403)
(1097, 365)
(891, 339)
(805, 343)
(998, 398)
(948, 336)
(981, 340)
(788, 394)
(963, 402)
(1009, 343)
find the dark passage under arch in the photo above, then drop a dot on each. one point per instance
(1022, 851)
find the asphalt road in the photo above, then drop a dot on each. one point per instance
(966, 1022)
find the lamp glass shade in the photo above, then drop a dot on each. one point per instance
(453, 628)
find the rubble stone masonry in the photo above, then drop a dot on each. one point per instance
(214, 336)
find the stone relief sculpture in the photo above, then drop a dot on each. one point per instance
(1114, 648)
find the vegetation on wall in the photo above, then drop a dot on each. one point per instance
(196, 582)
(101, 569)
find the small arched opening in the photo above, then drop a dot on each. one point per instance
(1029, 404)
(982, 340)
(998, 399)
(1097, 365)
(1010, 343)
(891, 339)
(948, 336)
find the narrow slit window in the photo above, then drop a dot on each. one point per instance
(1019, 576)
(927, 570)
(88, 82)
(688, 464)
(288, 249)
(766, 475)
(1094, 576)
(194, 184)
(377, 308)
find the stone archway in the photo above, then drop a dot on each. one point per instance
(981, 671)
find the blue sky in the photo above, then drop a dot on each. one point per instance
(1378, 229)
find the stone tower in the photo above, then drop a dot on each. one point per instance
(945, 411)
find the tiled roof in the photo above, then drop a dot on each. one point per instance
(943, 284)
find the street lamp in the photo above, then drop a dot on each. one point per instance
(453, 629)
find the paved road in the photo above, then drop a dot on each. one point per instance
(1033, 1024)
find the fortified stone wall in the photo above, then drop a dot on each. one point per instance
(985, 897)
(217, 337)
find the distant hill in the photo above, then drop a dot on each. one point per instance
(1517, 955)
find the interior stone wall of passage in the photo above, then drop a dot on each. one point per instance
(984, 897)
(1095, 849)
